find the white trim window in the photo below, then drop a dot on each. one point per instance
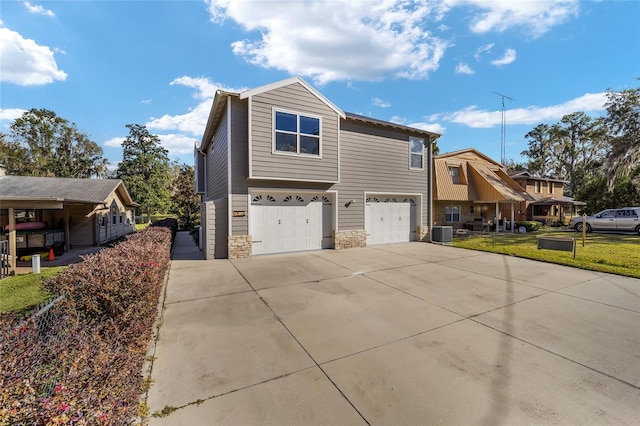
(452, 214)
(295, 133)
(416, 153)
(454, 172)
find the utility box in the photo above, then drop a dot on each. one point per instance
(442, 234)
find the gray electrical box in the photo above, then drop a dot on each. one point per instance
(442, 234)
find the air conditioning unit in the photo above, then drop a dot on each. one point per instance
(442, 234)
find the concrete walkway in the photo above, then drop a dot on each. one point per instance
(399, 334)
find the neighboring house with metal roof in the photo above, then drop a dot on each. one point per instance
(550, 205)
(90, 212)
(470, 191)
(281, 168)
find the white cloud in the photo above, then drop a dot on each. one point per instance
(26, 63)
(145, 101)
(430, 127)
(364, 41)
(485, 48)
(36, 8)
(534, 16)
(115, 142)
(380, 103)
(509, 57)
(473, 117)
(463, 68)
(11, 113)
(195, 119)
(178, 144)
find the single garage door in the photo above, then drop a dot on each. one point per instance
(390, 219)
(289, 222)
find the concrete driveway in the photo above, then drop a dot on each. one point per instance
(406, 334)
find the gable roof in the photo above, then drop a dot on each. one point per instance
(468, 154)
(69, 190)
(481, 179)
(282, 83)
(526, 175)
(219, 102)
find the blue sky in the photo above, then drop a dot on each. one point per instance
(431, 64)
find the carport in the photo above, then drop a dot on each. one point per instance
(89, 212)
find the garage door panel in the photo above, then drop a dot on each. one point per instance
(390, 220)
(289, 222)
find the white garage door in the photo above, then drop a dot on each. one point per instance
(289, 222)
(390, 219)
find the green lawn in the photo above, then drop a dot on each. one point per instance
(21, 293)
(612, 253)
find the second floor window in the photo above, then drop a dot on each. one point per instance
(550, 187)
(296, 133)
(538, 186)
(455, 174)
(416, 157)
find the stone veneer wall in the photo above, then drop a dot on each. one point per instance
(423, 233)
(354, 238)
(239, 246)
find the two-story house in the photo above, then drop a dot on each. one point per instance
(281, 168)
(549, 204)
(473, 191)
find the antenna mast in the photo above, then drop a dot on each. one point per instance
(503, 129)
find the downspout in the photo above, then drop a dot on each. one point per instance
(430, 188)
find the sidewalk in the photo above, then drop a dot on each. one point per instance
(185, 248)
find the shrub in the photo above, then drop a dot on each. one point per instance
(530, 225)
(81, 362)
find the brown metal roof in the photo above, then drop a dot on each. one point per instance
(90, 191)
(481, 179)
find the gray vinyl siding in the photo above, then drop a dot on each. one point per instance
(217, 166)
(298, 99)
(374, 159)
(239, 164)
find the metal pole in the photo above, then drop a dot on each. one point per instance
(584, 228)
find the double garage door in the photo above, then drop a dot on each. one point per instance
(290, 222)
(390, 219)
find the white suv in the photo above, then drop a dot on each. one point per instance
(626, 219)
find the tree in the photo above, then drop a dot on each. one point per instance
(144, 169)
(43, 144)
(623, 123)
(185, 202)
(540, 152)
(576, 141)
(512, 166)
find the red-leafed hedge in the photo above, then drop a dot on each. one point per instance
(80, 362)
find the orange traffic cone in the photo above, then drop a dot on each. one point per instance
(51, 255)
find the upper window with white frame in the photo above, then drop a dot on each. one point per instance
(416, 154)
(454, 172)
(296, 133)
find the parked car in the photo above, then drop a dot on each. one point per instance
(626, 219)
